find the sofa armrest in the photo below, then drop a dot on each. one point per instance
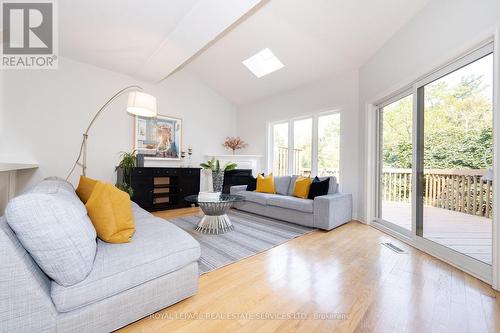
(238, 188)
(332, 210)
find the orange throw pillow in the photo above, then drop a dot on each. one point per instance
(85, 188)
(302, 187)
(110, 211)
(265, 184)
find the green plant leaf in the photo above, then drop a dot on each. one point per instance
(126, 188)
(128, 160)
(230, 166)
(206, 166)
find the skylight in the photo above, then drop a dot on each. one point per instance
(263, 63)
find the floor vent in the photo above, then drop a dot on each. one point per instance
(394, 247)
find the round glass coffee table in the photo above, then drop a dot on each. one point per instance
(215, 221)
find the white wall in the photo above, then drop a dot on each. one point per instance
(334, 93)
(44, 113)
(437, 34)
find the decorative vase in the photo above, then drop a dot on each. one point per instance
(217, 180)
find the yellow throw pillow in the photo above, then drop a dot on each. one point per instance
(85, 188)
(302, 186)
(265, 184)
(110, 211)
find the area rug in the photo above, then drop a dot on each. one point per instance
(252, 234)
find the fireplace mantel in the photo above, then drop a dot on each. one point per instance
(253, 162)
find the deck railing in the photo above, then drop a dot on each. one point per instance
(458, 190)
(281, 164)
(281, 161)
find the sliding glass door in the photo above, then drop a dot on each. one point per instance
(456, 198)
(435, 155)
(395, 162)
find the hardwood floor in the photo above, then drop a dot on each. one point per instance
(166, 214)
(338, 281)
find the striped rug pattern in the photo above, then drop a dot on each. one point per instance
(252, 234)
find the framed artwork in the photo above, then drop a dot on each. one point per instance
(158, 137)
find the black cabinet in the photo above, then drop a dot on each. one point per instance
(162, 188)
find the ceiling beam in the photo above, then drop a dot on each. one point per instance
(203, 24)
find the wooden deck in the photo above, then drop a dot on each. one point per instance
(465, 233)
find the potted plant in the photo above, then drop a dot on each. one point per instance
(127, 163)
(218, 172)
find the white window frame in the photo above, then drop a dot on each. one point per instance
(270, 144)
(314, 144)
(408, 91)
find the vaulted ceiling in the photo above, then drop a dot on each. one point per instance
(151, 39)
(148, 39)
(312, 38)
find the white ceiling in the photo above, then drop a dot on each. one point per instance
(148, 39)
(313, 39)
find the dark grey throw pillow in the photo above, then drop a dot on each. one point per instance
(252, 183)
(318, 187)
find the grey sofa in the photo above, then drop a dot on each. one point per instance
(324, 212)
(125, 283)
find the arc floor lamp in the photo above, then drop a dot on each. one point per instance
(139, 104)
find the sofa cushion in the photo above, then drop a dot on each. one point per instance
(265, 184)
(318, 188)
(52, 225)
(256, 197)
(54, 184)
(291, 186)
(157, 248)
(85, 188)
(110, 211)
(301, 187)
(302, 205)
(281, 184)
(252, 183)
(333, 187)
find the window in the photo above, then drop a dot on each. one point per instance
(280, 149)
(306, 146)
(302, 147)
(329, 145)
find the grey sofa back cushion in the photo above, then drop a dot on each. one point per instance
(291, 186)
(52, 225)
(281, 184)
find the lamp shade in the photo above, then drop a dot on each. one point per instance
(141, 104)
